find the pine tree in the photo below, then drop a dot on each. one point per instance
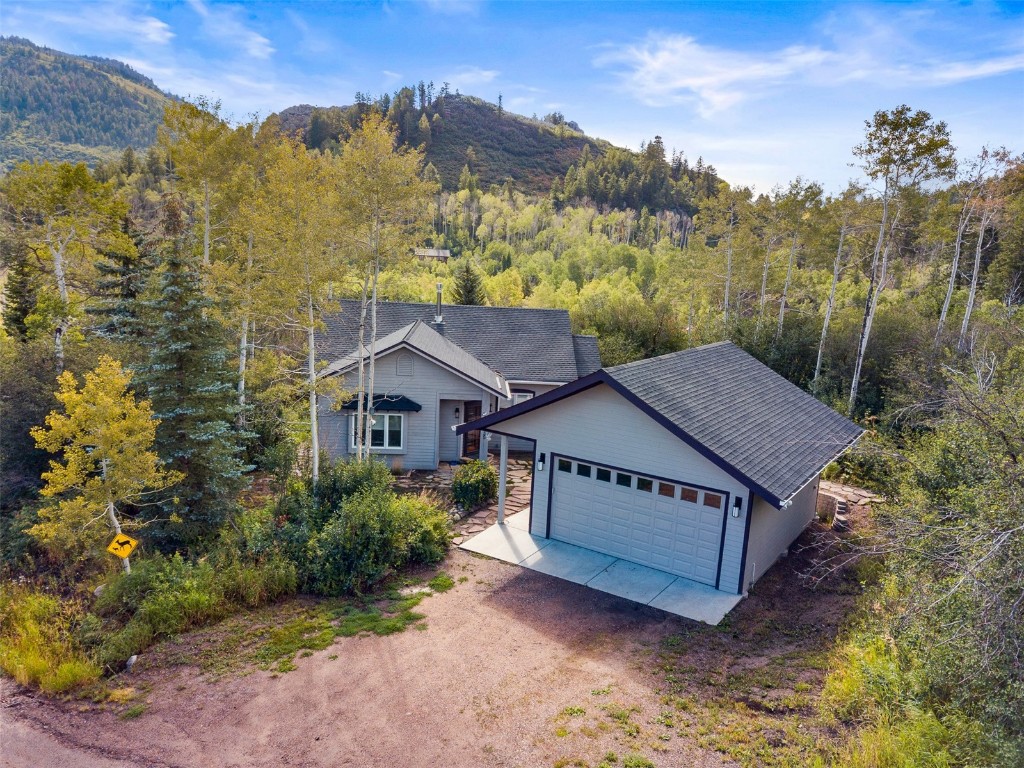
(19, 289)
(468, 288)
(191, 386)
(122, 278)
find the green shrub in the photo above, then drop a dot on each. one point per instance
(474, 483)
(427, 535)
(342, 480)
(38, 641)
(374, 533)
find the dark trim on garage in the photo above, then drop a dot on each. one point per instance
(746, 540)
(603, 377)
(721, 540)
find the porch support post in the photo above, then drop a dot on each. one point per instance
(502, 471)
(485, 437)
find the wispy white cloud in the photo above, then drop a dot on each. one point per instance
(225, 25)
(115, 20)
(468, 77)
(673, 69)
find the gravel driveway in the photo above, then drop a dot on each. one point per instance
(513, 668)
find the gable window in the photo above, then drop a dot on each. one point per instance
(521, 397)
(385, 433)
(405, 364)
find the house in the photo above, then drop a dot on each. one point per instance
(702, 463)
(438, 366)
(437, 254)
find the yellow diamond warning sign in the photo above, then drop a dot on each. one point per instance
(122, 546)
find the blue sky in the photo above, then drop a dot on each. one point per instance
(764, 91)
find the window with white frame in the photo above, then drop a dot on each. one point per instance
(385, 433)
(521, 397)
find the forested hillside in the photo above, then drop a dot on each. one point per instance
(57, 106)
(466, 135)
(184, 293)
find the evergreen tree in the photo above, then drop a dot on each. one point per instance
(468, 288)
(191, 387)
(122, 278)
(19, 289)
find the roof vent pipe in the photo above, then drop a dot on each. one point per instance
(438, 318)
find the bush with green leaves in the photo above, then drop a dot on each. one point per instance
(347, 531)
(374, 533)
(474, 483)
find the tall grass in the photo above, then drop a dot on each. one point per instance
(38, 646)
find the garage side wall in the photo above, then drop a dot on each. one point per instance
(773, 530)
(601, 426)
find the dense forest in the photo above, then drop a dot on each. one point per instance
(179, 292)
(75, 108)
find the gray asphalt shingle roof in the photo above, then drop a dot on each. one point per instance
(588, 359)
(419, 336)
(523, 344)
(758, 422)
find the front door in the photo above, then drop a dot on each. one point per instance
(471, 441)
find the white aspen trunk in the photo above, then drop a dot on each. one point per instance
(764, 284)
(866, 323)
(728, 273)
(372, 354)
(114, 522)
(361, 384)
(829, 306)
(785, 289)
(206, 223)
(243, 353)
(62, 289)
(986, 217)
(243, 350)
(965, 217)
(314, 426)
(879, 269)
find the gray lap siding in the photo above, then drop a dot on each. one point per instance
(773, 530)
(601, 426)
(427, 385)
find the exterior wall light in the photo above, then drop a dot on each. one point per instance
(540, 463)
(737, 506)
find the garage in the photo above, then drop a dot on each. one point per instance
(666, 524)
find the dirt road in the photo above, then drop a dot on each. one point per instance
(514, 668)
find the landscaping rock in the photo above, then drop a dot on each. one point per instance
(128, 665)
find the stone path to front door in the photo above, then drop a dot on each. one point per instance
(517, 499)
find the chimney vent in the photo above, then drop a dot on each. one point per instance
(438, 317)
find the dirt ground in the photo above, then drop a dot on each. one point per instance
(512, 668)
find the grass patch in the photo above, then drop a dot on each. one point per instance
(133, 711)
(38, 642)
(441, 583)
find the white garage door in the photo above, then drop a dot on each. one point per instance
(671, 526)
